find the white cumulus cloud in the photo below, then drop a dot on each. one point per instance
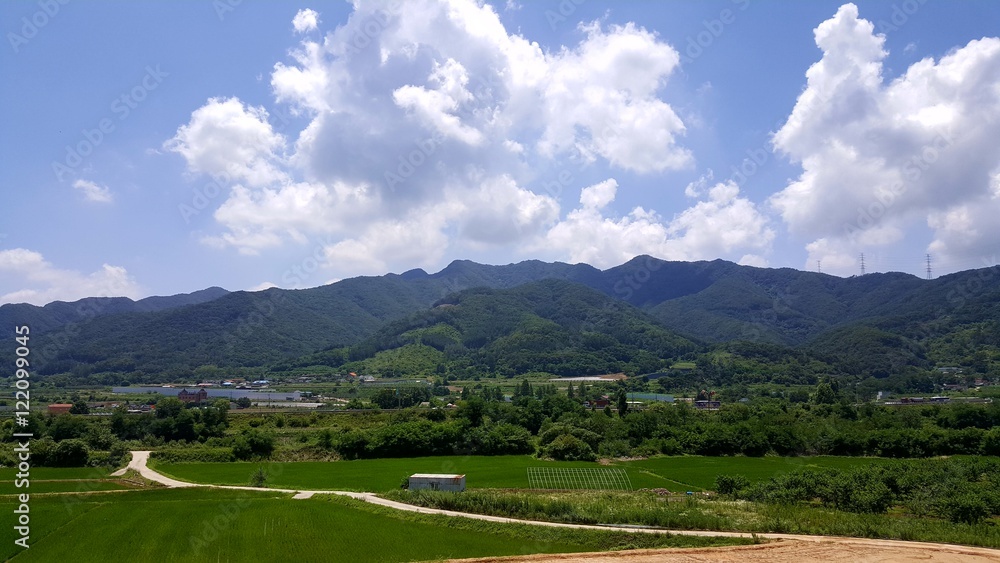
(41, 282)
(724, 225)
(879, 157)
(427, 127)
(305, 20)
(94, 192)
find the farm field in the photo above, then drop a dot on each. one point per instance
(59, 480)
(374, 475)
(677, 473)
(699, 472)
(201, 525)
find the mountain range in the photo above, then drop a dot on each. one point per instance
(646, 313)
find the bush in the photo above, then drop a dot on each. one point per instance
(352, 445)
(70, 453)
(730, 484)
(259, 477)
(568, 447)
(185, 455)
(965, 508)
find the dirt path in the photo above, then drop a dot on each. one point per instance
(791, 548)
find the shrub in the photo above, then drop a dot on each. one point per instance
(730, 484)
(259, 477)
(965, 508)
(568, 448)
(70, 453)
(185, 455)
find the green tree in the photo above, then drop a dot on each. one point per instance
(824, 395)
(622, 403)
(79, 407)
(70, 453)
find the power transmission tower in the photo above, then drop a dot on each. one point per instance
(819, 267)
(928, 266)
(862, 263)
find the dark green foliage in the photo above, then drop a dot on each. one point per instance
(555, 318)
(69, 453)
(959, 490)
(259, 477)
(253, 443)
(730, 484)
(79, 407)
(567, 447)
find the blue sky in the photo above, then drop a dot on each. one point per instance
(249, 144)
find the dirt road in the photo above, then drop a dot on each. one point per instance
(789, 548)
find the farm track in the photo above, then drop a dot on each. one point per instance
(787, 548)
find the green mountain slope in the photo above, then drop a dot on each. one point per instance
(900, 321)
(554, 326)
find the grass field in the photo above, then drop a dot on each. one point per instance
(678, 473)
(59, 480)
(57, 473)
(214, 525)
(373, 475)
(698, 472)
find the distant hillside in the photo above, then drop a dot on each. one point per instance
(873, 324)
(60, 313)
(554, 326)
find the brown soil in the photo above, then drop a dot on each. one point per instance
(846, 550)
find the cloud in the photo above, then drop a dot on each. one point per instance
(225, 138)
(262, 286)
(94, 192)
(427, 127)
(879, 157)
(46, 283)
(305, 21)
(722, 225)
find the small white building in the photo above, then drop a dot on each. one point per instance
(437, 482)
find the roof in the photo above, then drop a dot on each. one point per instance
(435, 476)
(61, 405)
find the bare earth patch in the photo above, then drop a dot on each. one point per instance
(847, 550)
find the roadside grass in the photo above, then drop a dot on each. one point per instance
(201, 525)
(646, 509)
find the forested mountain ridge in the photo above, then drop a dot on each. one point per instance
(552, 326)
(60, 313)
(900, 320)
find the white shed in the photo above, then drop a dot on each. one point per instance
(437, 482)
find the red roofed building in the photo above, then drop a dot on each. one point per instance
(60, 408)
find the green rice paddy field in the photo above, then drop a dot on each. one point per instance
(679, 473)
(220, 525)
